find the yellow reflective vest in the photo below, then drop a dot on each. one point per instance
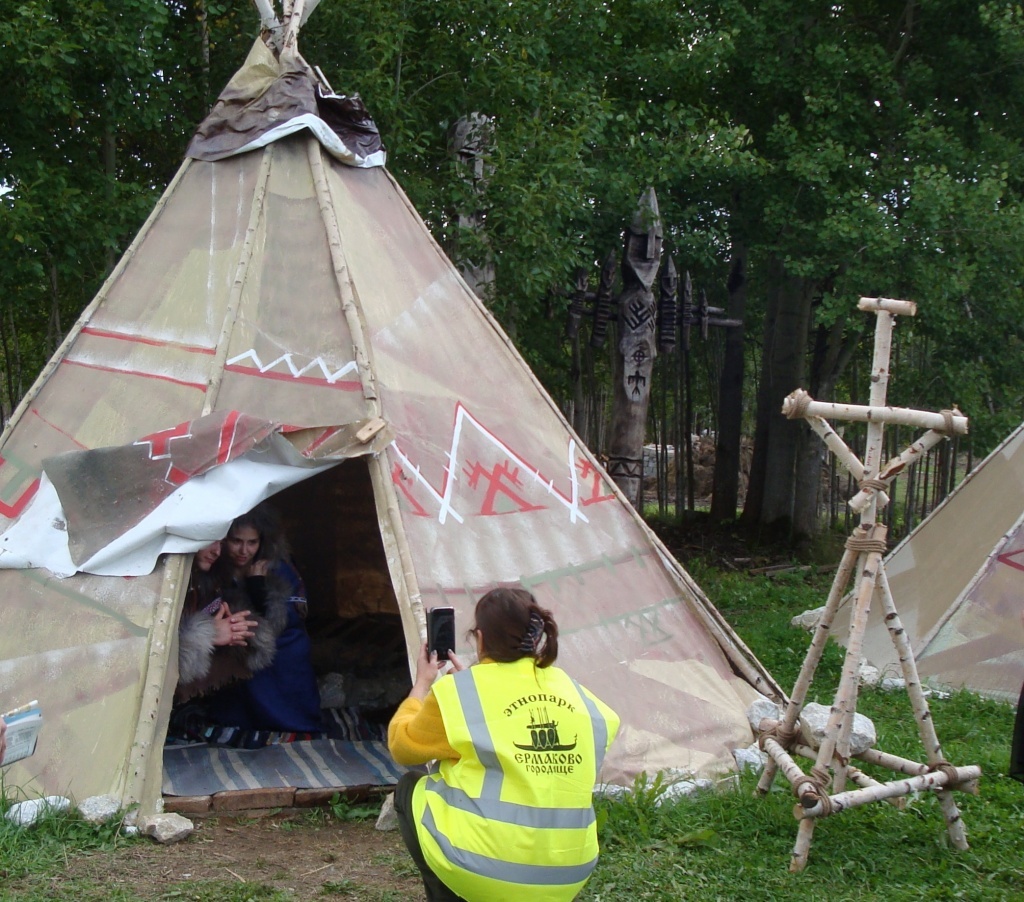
(513, 818)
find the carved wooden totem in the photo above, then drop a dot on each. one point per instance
(634, 364)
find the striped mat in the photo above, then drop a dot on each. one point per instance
(201, 770)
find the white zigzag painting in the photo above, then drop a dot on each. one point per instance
(315, 363)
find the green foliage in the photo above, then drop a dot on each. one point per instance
(30, 855)
(845, 146)
(344, 810)
(732, 845)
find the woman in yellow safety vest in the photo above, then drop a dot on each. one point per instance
(508, 813)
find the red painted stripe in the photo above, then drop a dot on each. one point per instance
(319, 440)
(143, 340)
(1008, 559)
(110, 369)
(227, 437)
(56, 428)
(13, 510)
(288, 377)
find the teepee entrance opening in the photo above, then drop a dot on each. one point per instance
(358, 653)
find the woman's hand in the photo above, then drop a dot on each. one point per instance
(427, 670)
(232, 629)
(456, 662)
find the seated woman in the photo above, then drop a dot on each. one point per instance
(509, 814)
(215, 645)
(254, 574)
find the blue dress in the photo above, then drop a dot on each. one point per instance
(284, 695)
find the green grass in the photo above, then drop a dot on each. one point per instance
(725, 845)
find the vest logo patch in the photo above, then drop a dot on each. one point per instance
(544, 734)
(546, 752)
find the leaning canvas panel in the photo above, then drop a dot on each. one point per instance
(930, 570)
(980, 643)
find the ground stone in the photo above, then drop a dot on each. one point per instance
(808, 620)
(751, 758)
(166, 828)
(24, 814)
(99, 809)
(388, 818)
(815, 719)
(761, 709)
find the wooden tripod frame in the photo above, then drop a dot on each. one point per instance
(822, 791)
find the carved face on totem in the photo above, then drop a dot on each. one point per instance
(644, 237)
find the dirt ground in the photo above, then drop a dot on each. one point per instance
(308, 853)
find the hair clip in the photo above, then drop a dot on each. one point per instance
(533, 633)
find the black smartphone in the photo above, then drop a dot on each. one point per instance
(441, 631)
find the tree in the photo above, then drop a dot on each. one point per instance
(100, 101)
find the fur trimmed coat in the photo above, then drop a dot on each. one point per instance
(203, 666)
(282, 693)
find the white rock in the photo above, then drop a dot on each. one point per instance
(751, 758)
(388, 817)
(814, 719)
(898, 684)
(762, 708)
(868, 674)
(611, 791)
(683, 788)
(165, 828)
(808, 620)
(99, 809)
(24, 814)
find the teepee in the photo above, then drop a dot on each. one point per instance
(284, 309)
(958, 579)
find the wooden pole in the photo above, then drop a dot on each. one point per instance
(822, 792)
(800, 404)
(937, 780)
(811, 660)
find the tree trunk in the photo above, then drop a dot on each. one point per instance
(204, 55)
(110, 170)
(777, 441)
(53, 330)
(832, 352)
(726, 479)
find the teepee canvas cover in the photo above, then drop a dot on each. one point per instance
(284, 277)
(958, 583)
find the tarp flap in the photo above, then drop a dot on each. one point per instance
(107, 491)
(113, 511)
(266, 101)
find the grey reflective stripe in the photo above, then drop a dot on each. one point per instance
(506, 871)
(600, 726)
(513, 813)
(479, 734)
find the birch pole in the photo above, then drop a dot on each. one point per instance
(822, 792)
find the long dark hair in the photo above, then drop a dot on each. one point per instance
(272, 545)
(514, 626)
(265, 520)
